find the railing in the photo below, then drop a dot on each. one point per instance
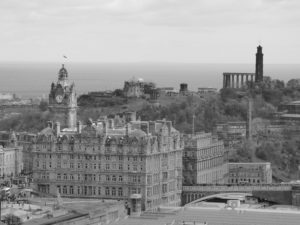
(236, 188)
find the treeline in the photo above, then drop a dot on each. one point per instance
(27, 121)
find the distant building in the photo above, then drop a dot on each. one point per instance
(289, 111)
(238, 80)
(250, 173)
(7, 96)
(183, 89)
(204, 91)
(231, 132)
(133, 88)
(204, 160)
(137, 88)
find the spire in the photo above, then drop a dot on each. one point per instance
(63, 73)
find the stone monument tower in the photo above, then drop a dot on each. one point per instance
(63, 101)
(259, 74)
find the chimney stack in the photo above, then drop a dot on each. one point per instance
(57, 128)
(79, 127)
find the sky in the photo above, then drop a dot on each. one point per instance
(188, 31)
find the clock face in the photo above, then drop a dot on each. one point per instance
(59, 98)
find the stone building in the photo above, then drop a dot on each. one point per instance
(183, 89)
(137, 88)
(112, 158)
(250, 173)
(204, 160)
(231, 132)
(133, 88)
(141, 160)
(207, 91)
(11, 157)
(63, 100)
(239, 80)
(22, 141)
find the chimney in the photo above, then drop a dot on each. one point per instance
(128, 129)
(111, 124)
(145, 127)
(50, 124)
(169, 125)
(79, 127)
(57, 128)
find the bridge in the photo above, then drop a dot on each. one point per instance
(287, 194)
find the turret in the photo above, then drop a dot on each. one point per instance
(57, 128)
(79, 127)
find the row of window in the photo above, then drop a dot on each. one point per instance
(71, 147)
(155, 189)
(93, 190)
(243, 180)
(92, 157)
(93, 177)
(90, 190)
(94, 166)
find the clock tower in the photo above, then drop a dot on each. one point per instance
(63, 101)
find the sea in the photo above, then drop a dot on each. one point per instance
(33, 80)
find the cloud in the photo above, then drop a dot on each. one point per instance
(134, 29)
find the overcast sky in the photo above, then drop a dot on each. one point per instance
(197, 31)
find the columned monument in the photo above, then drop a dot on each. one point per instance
(238, 80)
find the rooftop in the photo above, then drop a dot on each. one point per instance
(216, 216)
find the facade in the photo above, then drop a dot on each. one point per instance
(137, 88)
(11, 158)
(250, 173)
(140, 162)
(133, 88)
(206, 91)
(6, 97)
(63, 100)
(289, 112)
(239, 80)
(204, 160)
(26, 141)
(231, 132)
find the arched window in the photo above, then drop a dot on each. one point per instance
(120, 191)
(65, 190)
(107, 192)
(113, 191)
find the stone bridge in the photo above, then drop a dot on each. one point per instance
(287, 194)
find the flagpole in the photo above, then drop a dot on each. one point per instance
(64, 59)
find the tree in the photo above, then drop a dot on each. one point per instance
(293, 83)
(227, 94)
(118, 93)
